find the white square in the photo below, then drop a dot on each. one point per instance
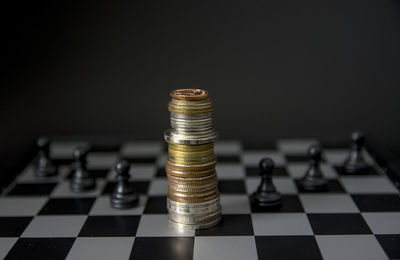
(6, 243)
(229, 248)
(253, 157)
(383, 222)
(17, 206)
(28, 175)
(338, 156)
(102, 207)
(158, 187)
(275, 224)
(284, 185)
(140, 171)
(63, 190)
(227, 147)
(162, 160)
(99, 160)
(229, 171)
(295, 146)
(101, 248)
(141, 148)
(55, 226)
(235, 204)
(64, 150)
(328, 203)
(350, 247)
(298, 170)
(161, 226)
(368, 184)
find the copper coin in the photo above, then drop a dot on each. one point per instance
(189, 94)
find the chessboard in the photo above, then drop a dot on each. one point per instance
(357, 218)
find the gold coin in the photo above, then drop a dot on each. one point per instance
(189, 94)
(191, 168)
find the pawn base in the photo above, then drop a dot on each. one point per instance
(313, 184)
(271, 199)
(124, 201)
(83, 185)
(355, 168)
(44, 172)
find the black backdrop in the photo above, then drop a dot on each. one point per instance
(273, 68)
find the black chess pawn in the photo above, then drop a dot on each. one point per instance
(81, 180)
(44, 167)
(356, 163)
(266, 194)
(313, 179)
(124, 195)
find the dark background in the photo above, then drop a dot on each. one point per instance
(273, 68)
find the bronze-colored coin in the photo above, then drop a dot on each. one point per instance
(191, 191)
(189, 175)
(189, 94)
(199, 199)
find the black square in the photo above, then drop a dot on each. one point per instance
(368, 171)
(33, 189)
(110, 226)
(255, 171)
(151, 160)
(156, 205)
(13, 226)
(222, 159)
(391, 245)
(287, 247)
(67, 206)
(163, 248)
(139, 186)
(260, 145)
(290, 203)
(161, 172)
(338, 224)
(64, 161)
(334, 186)
(230, 225)
(104, 148)
(231, 186)
(98, 173)
(377, 202)
(41, 248)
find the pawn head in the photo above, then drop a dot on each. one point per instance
(315, 151)
(266, 164)
(80, 152)
(122, 167)
(357, 137)
(43, 142)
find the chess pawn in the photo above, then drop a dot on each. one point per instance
(313, 179)
(45, 167)
(124, 196)
(81, 180)
(355, 163)
(266, 194)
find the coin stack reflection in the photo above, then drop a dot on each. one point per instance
(193, 197)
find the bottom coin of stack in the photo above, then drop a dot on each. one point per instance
(193, 197)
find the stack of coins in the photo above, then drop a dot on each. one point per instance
(193, 197)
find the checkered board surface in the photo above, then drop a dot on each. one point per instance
(358, 218)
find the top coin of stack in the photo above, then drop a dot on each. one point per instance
(193, 197)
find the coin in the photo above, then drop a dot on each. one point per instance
(189, 94)
(193, 196)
